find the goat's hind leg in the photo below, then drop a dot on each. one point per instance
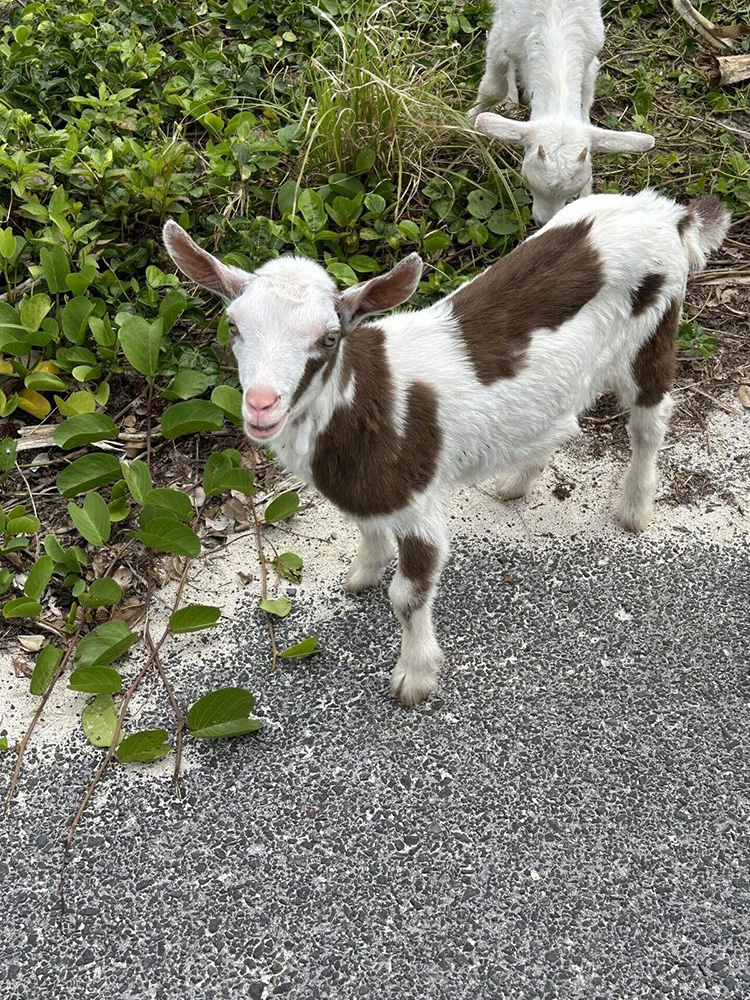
(518, 482)
(646, 428)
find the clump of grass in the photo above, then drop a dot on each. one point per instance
(378, 82)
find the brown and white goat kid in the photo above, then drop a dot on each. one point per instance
(385, 417)
(550, 48)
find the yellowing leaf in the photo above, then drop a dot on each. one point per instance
(47, 366)
(34, 403)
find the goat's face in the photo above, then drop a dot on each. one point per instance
(286, 321)
(556, 167)
(557, 154)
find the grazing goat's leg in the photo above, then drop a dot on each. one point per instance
(373, 556)
(518, 482)
(499, 80)
(421, 557)
(646, 427)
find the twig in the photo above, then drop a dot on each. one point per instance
(178, 714)
(717, 402)
(38, 714)
(264, 575)
(705, 28)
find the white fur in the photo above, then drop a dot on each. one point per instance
(550, 48)
(509, 427)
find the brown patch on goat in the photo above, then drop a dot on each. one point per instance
(541, 284)
(709, 211)
(418, 561)
(654, 365)
(361, 462)
(312, 368)
(646, 294)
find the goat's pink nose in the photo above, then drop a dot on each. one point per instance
(260, 402)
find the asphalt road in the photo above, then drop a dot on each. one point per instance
(569, 818)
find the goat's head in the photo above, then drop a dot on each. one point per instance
(287, 320)
(557, 155)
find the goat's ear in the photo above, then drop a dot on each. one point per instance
(603, 140)
(202, 267)
(506, 129)
(381, 293)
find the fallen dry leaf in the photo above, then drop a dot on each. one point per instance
(744, 393)
(31, 643)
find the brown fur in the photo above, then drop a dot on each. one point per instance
(654, 365)
(646, 293)
(361, 462)
(418, 561)
(312, 368)
(541, 284)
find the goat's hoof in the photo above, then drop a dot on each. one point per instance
(362, 576)
(413, 683)
(635, 517)
(513, 487)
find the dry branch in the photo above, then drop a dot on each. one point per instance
(730, 69)
(705, 28)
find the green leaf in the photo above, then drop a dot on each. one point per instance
(45, 667)
(54, 268)
(481, 203)
(3, 744)
(22, 524)
(282, 507)
(33, 311)
(21, 607)
(435, 241)
(164, 534)
(143, 747)
(92, 520)
(363, 264)
(193, 618)
(75, 318)
(38, 578)
(118, 507)
(140, 342)
(288, 565)
(186, 384)
(96, 680)
(88, 473)
(138, 478)
(229, 399)
(81, 401)
(104, 644)
(172, 500)
(8, 450)
(6, 578)
(280, 607)
(44, 382)
(191, 417)
(103, 592)
(99, 721)
(233, 727)
(222, 713)
(305, 648)
(503, 223)
(84, 428)
(312, 209)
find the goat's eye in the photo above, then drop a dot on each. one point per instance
(330, 338)
(234, 330)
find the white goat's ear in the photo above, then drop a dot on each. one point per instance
(381, 293)
(498, 127)
(604, 140)
(202, 267)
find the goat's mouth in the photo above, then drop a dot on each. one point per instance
(266, 432)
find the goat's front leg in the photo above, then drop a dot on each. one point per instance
(420, 559)
(499, 79)
(372, 559)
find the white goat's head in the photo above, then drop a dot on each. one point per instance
(286, 320)
(557, 154)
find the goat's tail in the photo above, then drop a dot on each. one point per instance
(702, 229)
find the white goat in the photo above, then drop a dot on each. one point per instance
(384, 417)
(551, 48)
